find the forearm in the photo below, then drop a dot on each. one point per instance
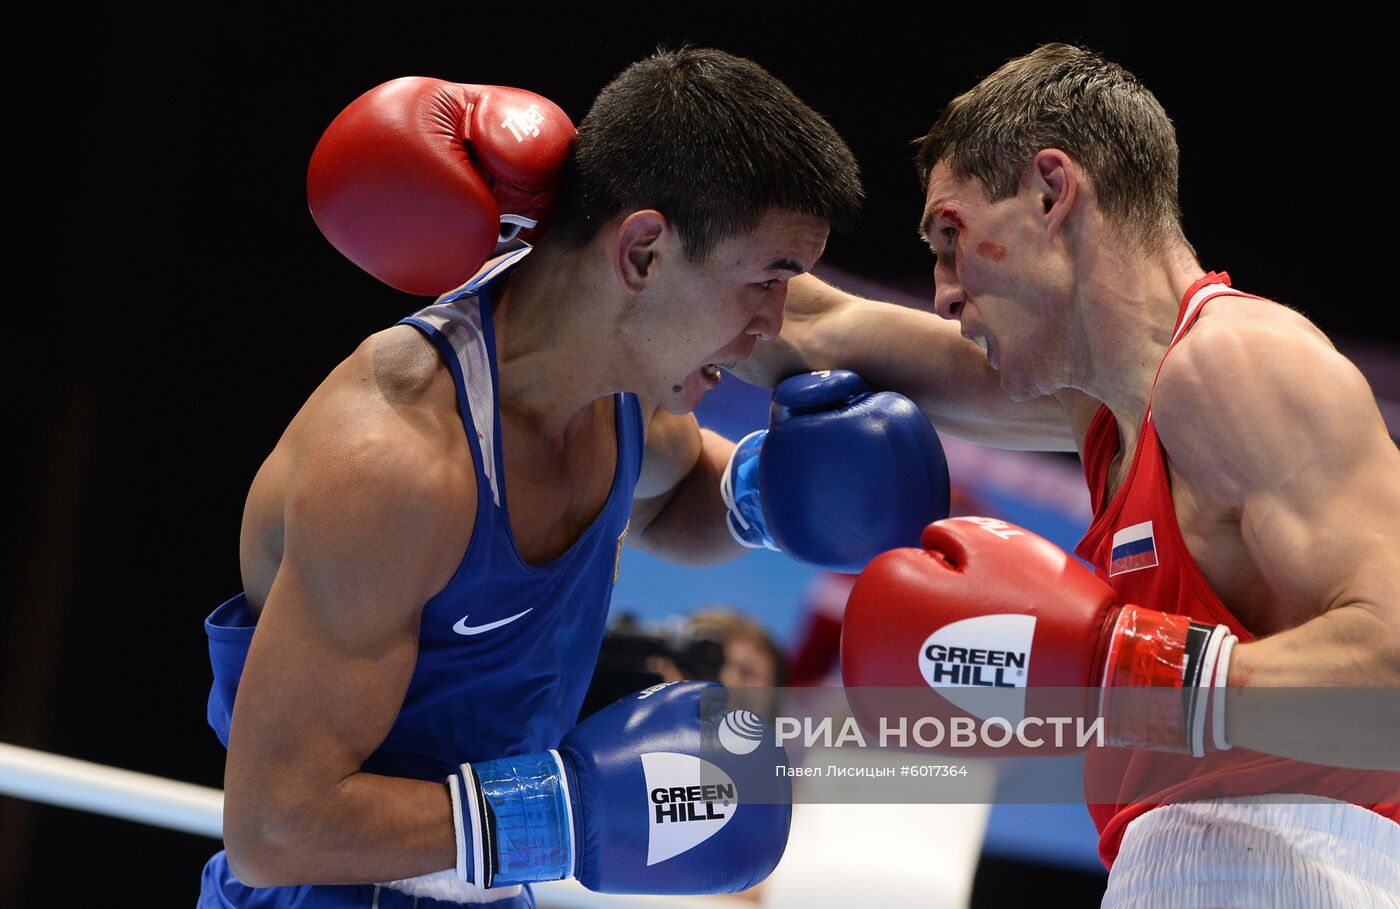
(890, 346)
(689, 526)
(811, 309)
(366, 829)
(915, 353)
(1279, 700)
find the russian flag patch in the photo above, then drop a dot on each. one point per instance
(1133, 548)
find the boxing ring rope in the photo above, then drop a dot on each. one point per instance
(70, 783)
(141, 797)
(910, 855)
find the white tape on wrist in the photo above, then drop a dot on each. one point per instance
(467, 810)
(446, 886)
(1220, 688)
(1196, 735)
(568, 813)
(454, 790)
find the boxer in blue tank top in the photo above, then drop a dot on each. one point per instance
(507, 648)
(428, 552)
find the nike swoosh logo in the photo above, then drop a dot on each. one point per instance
(463, 628)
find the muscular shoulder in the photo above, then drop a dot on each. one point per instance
(394, 387)
(376, 487)
(1252, 392)
(1233, 339)
(390, 416)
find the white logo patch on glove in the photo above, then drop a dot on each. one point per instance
(689, 800)
(990, 651)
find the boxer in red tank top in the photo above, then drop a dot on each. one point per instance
(1136, 545)
(1262, 494)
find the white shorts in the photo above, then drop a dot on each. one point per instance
(1244, 853)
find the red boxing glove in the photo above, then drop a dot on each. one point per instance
(419, 179)
(986, 604)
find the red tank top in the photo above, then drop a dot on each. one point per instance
(1135, 544)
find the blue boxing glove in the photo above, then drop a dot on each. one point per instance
(841, 475)
(667, 791)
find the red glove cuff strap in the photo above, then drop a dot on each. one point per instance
(1151, 649)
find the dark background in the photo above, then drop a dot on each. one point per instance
(173, 303)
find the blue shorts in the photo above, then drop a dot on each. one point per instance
(219, 889)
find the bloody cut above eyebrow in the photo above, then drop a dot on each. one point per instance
(940, 211)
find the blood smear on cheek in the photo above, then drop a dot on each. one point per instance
(989, 250)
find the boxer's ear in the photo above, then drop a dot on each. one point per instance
(1054, 184)
(639, 237)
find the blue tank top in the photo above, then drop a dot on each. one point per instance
(506, 650)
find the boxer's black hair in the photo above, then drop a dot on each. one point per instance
(710, 140)
(1065, 97)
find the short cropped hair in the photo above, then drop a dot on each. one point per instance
(1065, 97)
(710, 140)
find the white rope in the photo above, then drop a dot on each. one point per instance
(71, 783)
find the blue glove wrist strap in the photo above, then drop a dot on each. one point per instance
(739, 489)
(515, 820)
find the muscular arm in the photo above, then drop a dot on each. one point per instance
(677, 512)
(369, 538)
(1283, 431)
(915, 353)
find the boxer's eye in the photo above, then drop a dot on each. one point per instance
(768, 285)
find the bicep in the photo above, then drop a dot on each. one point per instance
(682, 519)
(1276, 423)
(674, 446)
(315, 698)
(337, 638)
(1321, 521)
(1321, 512)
